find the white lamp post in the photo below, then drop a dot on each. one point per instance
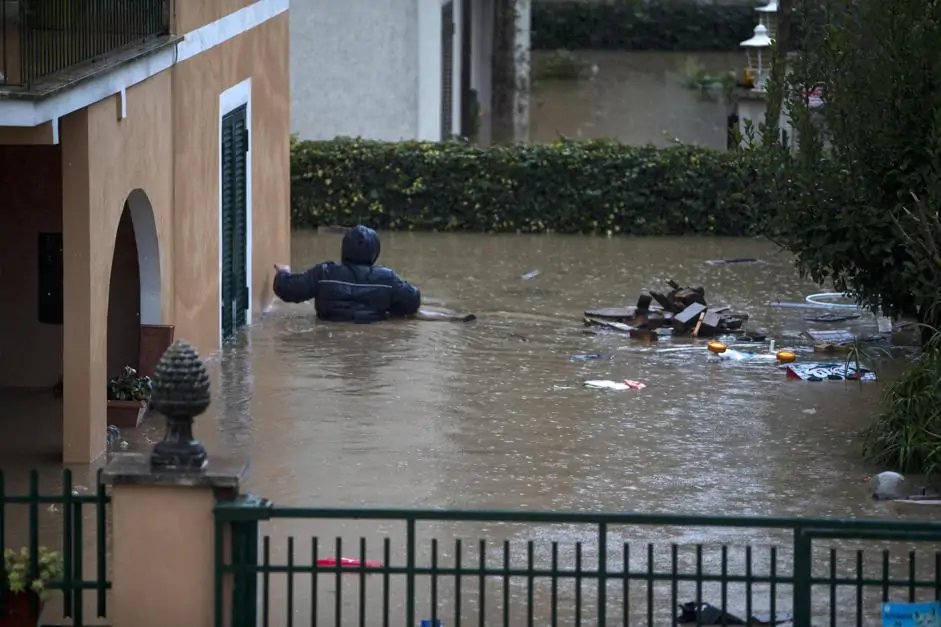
(768, 17)
(754, 51)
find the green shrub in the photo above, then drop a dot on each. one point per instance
(561, 65)
(630, 25)
(906, 435)
(565, 187)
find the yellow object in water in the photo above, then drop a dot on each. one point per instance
(786, 357)
(717, 347)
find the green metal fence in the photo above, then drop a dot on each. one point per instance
(544, 568)
(71, 520)
(39, 38)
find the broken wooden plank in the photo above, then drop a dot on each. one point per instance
(687, 297)
(698, 324)
(614, 313)
(644, 335)
(618, 326)
(830, 336)
(663, 301)
(710, 322)
(689, 314)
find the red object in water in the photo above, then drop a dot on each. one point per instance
(634, 385)
(348, 562)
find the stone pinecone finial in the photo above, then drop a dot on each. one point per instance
(181, 383)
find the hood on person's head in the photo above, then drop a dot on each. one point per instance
(360, 246)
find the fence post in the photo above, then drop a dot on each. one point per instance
(243, 517)
(163, 529)
(803, 576)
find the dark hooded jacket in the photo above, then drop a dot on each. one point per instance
(354, 290)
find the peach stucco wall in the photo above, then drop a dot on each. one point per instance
(167, 146)
(103, 160)
(262, 55)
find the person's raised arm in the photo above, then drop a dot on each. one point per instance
(406, 299)
(296, 288)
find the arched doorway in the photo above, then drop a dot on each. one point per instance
(135, 289)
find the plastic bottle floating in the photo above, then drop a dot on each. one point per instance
(627, 384)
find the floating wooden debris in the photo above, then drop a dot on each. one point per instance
(831, 336)
(725, 262)
(832, 317)
(682, 310)
(829, 372)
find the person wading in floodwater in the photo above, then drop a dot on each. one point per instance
(354, 290)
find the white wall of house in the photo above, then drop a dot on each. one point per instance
(370, 68)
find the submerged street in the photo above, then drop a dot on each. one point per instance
(493, 415)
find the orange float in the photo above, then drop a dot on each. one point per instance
(786, 357)
(717, 347)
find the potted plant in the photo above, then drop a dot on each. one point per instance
(128, 395)
(24, 590)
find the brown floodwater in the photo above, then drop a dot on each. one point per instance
(493, 415)
(634, 97)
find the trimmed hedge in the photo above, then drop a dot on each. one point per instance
(565, 187)
(630, 25)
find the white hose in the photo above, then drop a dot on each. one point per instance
(813, 298)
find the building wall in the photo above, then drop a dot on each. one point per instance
(30, 352)
(189, 16)
(354, 69)
(261, 55)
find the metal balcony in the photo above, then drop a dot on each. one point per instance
(41, 41)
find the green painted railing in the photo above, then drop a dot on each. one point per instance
(549, 568)
(65, 520)
(40, 38)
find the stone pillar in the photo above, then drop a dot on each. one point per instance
(163, 527)
(85, 303)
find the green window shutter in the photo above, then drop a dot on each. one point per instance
(227, 218)
(241, 209)
(234, 221)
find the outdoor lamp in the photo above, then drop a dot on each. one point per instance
(756, 54)
(768, 17)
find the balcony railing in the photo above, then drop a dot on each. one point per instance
(41, 38)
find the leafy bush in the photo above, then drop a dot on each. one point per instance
(634, 25)
(566, 187)
(561, 65)
(863, 156)
(906, 435)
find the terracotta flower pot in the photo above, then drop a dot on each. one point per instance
(126, 414)
(20, 610)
